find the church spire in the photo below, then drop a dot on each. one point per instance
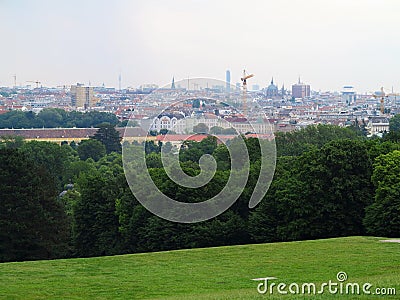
(272, 80)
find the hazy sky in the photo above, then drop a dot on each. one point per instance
(329, 43)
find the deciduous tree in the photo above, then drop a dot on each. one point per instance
(91, 148)
(383, 215)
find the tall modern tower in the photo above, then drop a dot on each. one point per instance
(173, 83)
(228, 81)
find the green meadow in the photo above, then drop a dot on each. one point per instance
(210, 273)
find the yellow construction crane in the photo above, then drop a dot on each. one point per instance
(244, 80)
(383, 95)
(37, 82)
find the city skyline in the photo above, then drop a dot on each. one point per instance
(329, 44)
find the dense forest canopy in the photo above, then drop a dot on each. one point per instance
(74, 201)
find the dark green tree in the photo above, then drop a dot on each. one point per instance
(11, 142)
(151, 147)
(394, 123)
(192, 151)
(153, 160)
(216, 130)
(54, 158)
(393, 136)
(200, 128)
(76, 168)
(91, 148)
(222, 157)
(394, 130)
(52, 117)
(378, 146)
(335, 189)
(311, 137)
(322, 193)
(227, 229)
(33, 224)
(383, 215)
(163, 131)
(132, 218)
(109, 136)
(160, 235)
(266, 217)
(95, 228)
(73, 145)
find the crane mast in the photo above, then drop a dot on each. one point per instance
(244, 80)
(382, 99)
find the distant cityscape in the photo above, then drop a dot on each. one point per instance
(286, 108)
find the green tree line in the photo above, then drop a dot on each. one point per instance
(54, 118)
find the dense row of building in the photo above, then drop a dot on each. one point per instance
(151, 108)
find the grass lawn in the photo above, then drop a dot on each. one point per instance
(211, 273)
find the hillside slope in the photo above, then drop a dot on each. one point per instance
(211, 273)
